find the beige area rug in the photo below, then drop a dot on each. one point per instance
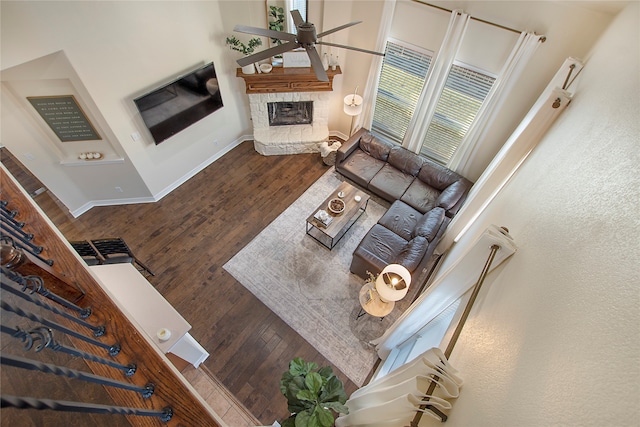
(311, 287)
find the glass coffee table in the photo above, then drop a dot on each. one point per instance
(337, 225)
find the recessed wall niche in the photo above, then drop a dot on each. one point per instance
(51, 96)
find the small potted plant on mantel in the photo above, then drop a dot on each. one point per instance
(246, 49)
(276, 23)
(312, 394)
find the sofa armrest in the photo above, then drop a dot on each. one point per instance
(349, 146)
(452, 197)
(411, 255)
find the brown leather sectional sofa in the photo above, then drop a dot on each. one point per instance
(424, 197)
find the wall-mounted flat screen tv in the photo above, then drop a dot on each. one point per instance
(175, 106)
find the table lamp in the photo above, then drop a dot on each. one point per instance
(392, 284)
(353, 107)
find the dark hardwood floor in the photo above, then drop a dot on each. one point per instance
(188, 236)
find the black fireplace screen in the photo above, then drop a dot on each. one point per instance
(290, 113)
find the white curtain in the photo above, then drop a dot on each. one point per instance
(514, 151)
(369, 94)
(393, 400)
(438, 73)
(290, 5)
(517, 61)
(453, 280)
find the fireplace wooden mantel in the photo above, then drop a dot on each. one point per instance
(287, 79)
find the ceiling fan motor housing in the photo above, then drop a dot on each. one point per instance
(306, 34)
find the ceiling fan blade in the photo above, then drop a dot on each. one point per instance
(266, 33)
(350, 48)
(316, 63)
(341, 27)
(297, 18)
(276, 50)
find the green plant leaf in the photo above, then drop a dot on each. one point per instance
(336, 406)
(284, 382)
(294, 386)
(313, 382)
(299, 367)
(303, 419)
(307, 395)
(326, 372)
(289, 422)
(333, 391)
(293, 402)
(323, 416)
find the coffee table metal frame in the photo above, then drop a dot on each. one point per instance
(330, 235)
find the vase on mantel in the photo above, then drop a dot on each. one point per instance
(249, 69)
(325, 62)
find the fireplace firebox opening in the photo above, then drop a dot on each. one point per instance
(290, 113)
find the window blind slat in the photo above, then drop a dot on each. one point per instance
(462, 97)
(401, 81)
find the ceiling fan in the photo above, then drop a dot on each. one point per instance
(306, 38)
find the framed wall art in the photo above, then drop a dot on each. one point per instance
(65, 117)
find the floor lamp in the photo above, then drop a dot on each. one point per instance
(353, 107)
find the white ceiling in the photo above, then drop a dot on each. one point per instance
(603, 6)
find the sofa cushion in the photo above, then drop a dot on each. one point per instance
(420, 196)
(375, 147)
(437, 176)
(361, 167)
(452, 194)
(402, 219)
(390, 183)
(429, 224)
(405, 160)
(377, 248)
(412, 253)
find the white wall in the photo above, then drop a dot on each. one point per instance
(554, 339)
(118, 50)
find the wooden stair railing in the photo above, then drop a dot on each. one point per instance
(171, 388)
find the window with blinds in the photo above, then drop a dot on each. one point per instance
(464, 92)
(300, 6)
(402, 77)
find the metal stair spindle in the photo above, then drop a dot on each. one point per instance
(49, 368)
(65, 406)
(113, 349)
(11, 226)
(45, 336)
(98, 331)
(36, 284)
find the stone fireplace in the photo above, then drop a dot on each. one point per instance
(297, 101)
(292, 138)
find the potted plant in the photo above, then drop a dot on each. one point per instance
(312, 394)
(276, 23)
(246, 49)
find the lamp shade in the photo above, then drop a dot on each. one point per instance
(392, 284)
(353, 104)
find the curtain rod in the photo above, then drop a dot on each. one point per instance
(454, 338)
(542, 38)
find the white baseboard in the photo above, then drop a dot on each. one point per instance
(193, 172)
(339, 134)
(109, 202)
(156, 197)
